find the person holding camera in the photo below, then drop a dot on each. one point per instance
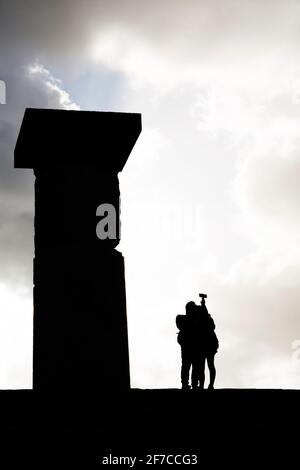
(199, 344)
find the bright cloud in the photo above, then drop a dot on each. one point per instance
(51, 86)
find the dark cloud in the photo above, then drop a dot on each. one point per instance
(185, 30)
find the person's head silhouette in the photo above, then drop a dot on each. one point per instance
(190, 308)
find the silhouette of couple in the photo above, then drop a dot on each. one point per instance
(199, 344)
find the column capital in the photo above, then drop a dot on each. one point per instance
(56, 137)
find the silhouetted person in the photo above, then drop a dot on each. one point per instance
(185, 324)
(199, 344)
(206, 346)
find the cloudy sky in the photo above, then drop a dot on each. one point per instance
(210, 193)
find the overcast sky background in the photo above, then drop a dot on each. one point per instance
(217, 168)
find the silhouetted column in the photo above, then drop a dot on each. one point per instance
(80, 325)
